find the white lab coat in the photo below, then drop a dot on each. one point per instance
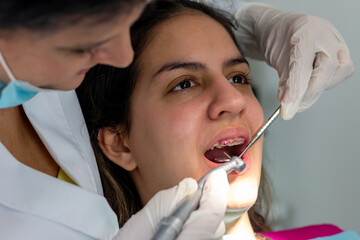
(34, 205)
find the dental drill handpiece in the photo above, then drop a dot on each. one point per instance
(170, 227)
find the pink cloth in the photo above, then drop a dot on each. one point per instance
(304, 233)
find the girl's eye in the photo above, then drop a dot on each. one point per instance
(183, 85)
(239, 79)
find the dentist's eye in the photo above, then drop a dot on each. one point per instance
(89, 51)
(239, 79)
(187, 83)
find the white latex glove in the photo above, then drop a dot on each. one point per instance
(204, 223)
(308, 53)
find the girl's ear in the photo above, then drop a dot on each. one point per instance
(113, 146)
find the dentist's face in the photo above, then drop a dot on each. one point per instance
(60, 59)
(193, 93)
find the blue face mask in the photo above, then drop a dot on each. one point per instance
(16, 92)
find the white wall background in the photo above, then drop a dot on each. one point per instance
(314, 159)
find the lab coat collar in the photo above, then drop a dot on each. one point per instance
(32, 192)
(58, 120)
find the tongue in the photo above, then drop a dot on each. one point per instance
(218, 153)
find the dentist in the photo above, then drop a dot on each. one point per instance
(50, 187)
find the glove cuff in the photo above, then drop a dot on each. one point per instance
(247, 18)
(230, 6)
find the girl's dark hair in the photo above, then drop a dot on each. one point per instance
(52, 14)
(105, 98)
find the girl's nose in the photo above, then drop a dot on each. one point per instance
(227, 100)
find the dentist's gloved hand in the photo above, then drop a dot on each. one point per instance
(308, 53)
(204, 223)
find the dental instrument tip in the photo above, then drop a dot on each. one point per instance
(227, 155)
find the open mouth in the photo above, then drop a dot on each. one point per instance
(220, 151)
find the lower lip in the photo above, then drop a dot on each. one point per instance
(245, 158)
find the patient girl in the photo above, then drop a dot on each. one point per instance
(172, 114)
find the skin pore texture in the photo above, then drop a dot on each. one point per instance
(192, 91)
(60, 59)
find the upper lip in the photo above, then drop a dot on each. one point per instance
(232, 132)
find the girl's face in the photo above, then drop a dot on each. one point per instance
(193, 93)
(60, 59)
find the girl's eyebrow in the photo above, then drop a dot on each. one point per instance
(197, 65)
(177, 65)
(235, 61)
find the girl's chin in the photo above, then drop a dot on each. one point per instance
(242, 195)
(240, 205)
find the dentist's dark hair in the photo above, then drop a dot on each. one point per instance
(105, 98)
(50, 15)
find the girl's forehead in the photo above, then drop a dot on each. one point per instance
(187, 34)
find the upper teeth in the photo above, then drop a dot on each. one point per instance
(228, 142)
